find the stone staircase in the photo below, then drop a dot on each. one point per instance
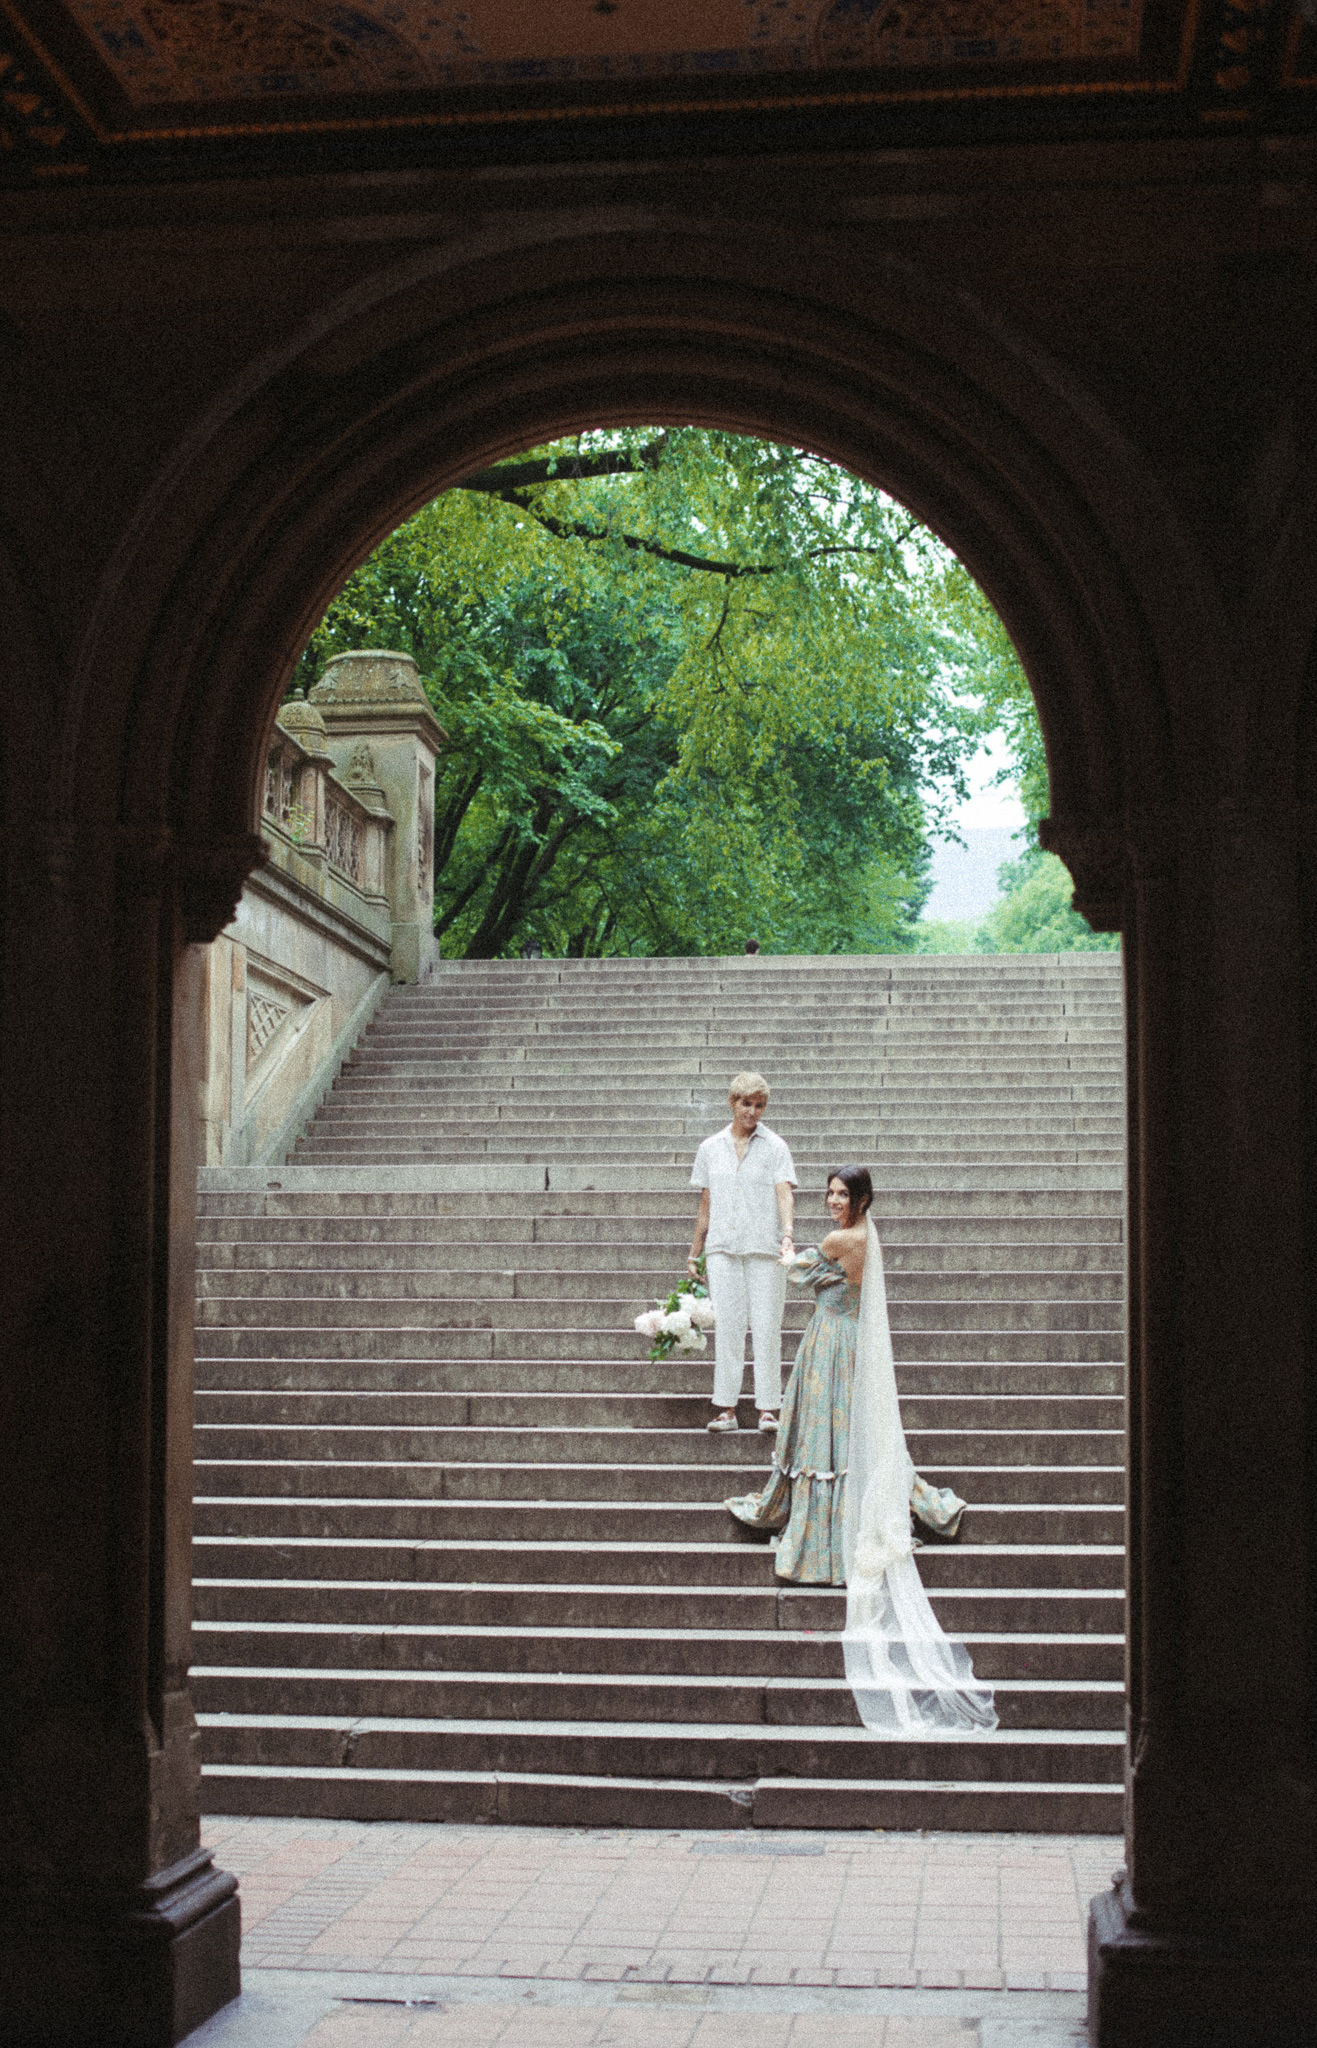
(460, 1548)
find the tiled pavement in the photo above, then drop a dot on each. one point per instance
(365, 1935)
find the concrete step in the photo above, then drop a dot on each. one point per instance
(712, 1016)
(618, 1177)
(254, 1409)
(496, 1481)
(632, 1653)
(1007, 1057)
(649, 1263)
(550, 1799)
(765, 1026)
(488, 1562)
(594, 1521)
(1004, 1610)
(604, 1445)
(514, 1298)
(529, 1095)
(528, 1240)
(673, 1749)
(292, 1194)
(696, 1016)
(446, 1146)
(671, 1375)
(214, 1345)
(731, 1011)
(247, 1689)
(531, 1324)
(800, 1091)
(346, 1116)
(862, 1077)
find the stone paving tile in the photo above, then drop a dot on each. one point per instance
(858, 1910)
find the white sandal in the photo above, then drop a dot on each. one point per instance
(767, 1422)
(724, 1423)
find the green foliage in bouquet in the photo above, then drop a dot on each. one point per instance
(679, 1323)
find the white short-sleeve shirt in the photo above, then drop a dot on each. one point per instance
(743, 1215)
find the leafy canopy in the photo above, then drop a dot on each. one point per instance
(1035, 913)
(697, 688)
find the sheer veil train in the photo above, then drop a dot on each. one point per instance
(908, 1679)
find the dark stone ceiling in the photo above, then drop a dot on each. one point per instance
(107, 90)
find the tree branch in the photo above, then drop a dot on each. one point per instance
(454, 812)
(455, 908)
(576, 529)
(546, 469)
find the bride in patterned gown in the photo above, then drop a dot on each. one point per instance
(843, 1489)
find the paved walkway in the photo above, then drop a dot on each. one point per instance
(432, 1936)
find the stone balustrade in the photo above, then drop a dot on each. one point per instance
(340, 909)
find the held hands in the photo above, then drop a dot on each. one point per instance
(788, 1248)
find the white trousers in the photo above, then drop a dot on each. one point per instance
(748, 1294)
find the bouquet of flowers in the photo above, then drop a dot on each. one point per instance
(679, 1323)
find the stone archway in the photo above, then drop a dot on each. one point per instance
(164, 681)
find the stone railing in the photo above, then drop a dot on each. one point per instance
(316, 815)
(341, 908)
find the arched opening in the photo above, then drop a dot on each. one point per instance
(929, 407)
(1040, 1355)
(292, 479)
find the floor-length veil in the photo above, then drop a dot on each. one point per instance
(908, 1679)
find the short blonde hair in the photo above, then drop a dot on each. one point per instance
(744, 1084)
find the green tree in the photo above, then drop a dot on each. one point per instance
(695, 686)
(1036, 912)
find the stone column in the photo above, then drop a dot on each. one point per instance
(1207, 1937)
(360, 777)
(378, 697)
(307, 727)
(117, 1931)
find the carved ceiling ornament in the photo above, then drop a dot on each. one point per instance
(209, 874)
(1106, 860)
(35, 121)
(1098, 858)
(164, 51)
(95, 88)
(211, 877)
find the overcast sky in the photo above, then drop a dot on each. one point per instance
(965, 878)
(987, 804)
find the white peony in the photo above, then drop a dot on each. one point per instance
(676, 1323)
(702, 1315)
(650, 1323)
(692, 1340)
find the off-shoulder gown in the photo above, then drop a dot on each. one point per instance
(806, 1493)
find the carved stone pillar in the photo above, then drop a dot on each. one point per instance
(307, 727)
(115, 1926)
(359, 776)
(378, 697)
(1207, 1939)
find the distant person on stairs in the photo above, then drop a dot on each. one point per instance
(747, 1187)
